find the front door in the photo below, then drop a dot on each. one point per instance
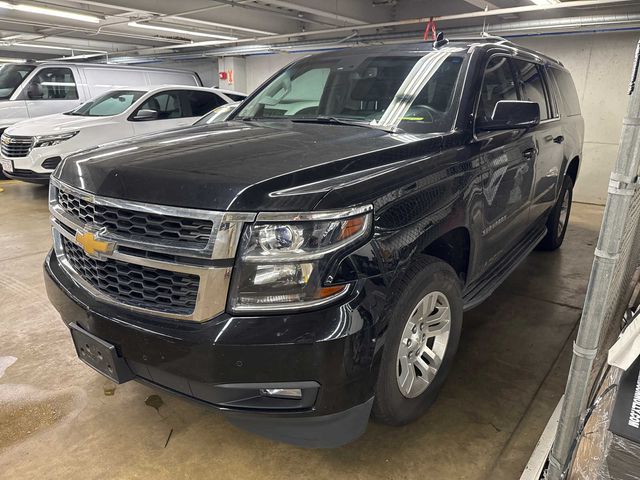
(51, 90)
(508, 159)
(169, 110)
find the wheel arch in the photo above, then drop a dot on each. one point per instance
(454, 247)
(573, 168)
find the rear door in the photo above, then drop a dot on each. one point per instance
(197, 103)
(548, 138)
(508, 158)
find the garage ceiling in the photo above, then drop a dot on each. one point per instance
(118, 31)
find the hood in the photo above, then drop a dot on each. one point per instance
(57, 123)
(241, 166)
(12, 112)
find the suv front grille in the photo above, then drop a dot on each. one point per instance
(130, 223)
(15, 147)
(137, 285)
(160, 260)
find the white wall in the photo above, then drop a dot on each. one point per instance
(235, 69)
(601, 68)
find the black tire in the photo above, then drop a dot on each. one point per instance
(556, 229)
(426, 275)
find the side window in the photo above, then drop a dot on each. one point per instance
(498, 84)
(235, 97)
(532, 85)
(167, 104)
(568, 92)
(53, 84)
(199, 103)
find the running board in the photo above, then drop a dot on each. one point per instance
(478, 292)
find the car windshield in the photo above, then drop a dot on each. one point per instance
(11, 76)
(219, 114)
(412, 91)
(111, 103)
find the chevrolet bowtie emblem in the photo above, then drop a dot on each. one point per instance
(92, 246)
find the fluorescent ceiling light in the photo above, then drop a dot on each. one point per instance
(12, 60)
(208, 43)
(11, 37)
(177, 30)
(54, 47)
(223, 25)
(546, 2)
(49, 11)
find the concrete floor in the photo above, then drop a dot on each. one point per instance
(60, 419)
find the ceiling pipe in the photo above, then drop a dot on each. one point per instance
(179, 15)
(415, 21)
(316, 12)
(576, 23)
(420, 20)
(262, 8)
(573, 23)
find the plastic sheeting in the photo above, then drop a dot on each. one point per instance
(603, 455)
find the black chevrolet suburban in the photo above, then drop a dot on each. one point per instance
(306, 263)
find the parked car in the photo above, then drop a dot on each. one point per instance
(30, 90)
(218, 114)
(32, 149)
(301, 271)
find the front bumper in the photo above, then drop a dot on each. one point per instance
(220, 362)
(29, 176)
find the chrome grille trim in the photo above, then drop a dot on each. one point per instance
(222, 244)
(213, 284)
(15, 146)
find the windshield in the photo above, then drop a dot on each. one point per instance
(219, 114)
(11, 76)
(111, 103)
(414, 92)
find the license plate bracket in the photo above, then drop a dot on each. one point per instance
(6, 164)
(100, 355)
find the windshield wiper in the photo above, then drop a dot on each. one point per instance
(253, 119)
(338, 121)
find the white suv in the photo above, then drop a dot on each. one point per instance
(32, 149)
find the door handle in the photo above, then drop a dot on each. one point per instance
(559, 139)
(529, 153)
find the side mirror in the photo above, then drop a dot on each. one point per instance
(513, 114)
(146, 115)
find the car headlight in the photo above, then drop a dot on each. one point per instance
(285, 261)
(49, 140)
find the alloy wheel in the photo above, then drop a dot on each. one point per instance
(423, 344)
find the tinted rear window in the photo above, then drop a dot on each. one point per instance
(235, 97)
(568, 91)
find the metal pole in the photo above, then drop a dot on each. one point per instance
(622, 185)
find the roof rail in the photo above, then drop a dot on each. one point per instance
(482, 38)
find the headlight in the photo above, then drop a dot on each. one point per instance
(49, 140)
(285, 261)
